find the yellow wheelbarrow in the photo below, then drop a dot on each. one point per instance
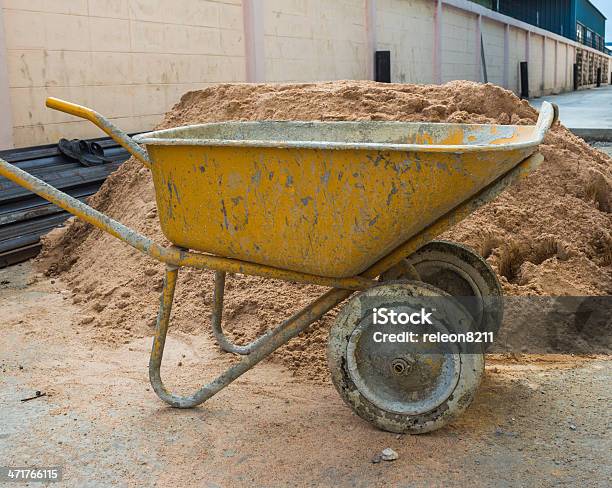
(353, 206)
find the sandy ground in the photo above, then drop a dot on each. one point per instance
(535, 421)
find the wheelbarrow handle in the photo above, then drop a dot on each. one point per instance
(103, 123)
(549, 114)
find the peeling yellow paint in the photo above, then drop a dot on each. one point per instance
(345, 210)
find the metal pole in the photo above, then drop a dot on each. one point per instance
(370, 24)
(507, 56)
(437, 54)
(6, 119)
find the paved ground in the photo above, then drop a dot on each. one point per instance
(591, 109)
(605, 147)
(536, 422)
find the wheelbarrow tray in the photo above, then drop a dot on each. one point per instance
(325, 198)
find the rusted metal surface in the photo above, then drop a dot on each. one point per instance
(296, 195)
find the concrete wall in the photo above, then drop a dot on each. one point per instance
(406, 29)
(517, 49)
(307, 40)
(460, 60)
(6, 115)
(536, 59)
(132, 59)
(493, 35)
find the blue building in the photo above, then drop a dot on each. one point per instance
(578, 20)
(589, 24)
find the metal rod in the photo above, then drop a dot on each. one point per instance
(217, 321)
(283, 333)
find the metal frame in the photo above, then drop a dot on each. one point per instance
(217, 318)
(257, 134)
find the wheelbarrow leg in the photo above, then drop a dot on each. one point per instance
(217, 317)
(163, 319)
(264, 346)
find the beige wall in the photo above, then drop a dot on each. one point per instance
(132, 59)
(405, 27)
(307, 40)
(516, 54)
(459, 56)
(6, 116)
(535, 64)
(493, 37)
(129, 59)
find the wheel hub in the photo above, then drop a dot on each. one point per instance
(401, 378)
(400, 366)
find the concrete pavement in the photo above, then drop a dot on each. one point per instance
(583, 109)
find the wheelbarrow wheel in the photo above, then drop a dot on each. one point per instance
(400, 388)
(460, 272)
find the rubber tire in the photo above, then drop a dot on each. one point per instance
(472, 264)
(472, 368)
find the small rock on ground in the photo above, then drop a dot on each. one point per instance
(388, 454)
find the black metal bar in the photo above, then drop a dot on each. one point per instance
(25, 233)
(576, 79)
(9, 191)
(34, 201)
(15, 256)
(598, 77)
(35, 212)
(24, 216)
(524, 79)
(37, 152)
(48, 161)
(485, 76)
(382, 61)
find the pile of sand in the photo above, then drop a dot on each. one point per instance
(549, 235)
